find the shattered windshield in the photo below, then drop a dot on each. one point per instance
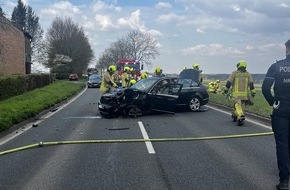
(145, 84)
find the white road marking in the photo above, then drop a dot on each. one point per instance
(146, 137)
(252, 121)
(84, 117)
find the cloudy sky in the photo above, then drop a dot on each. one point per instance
(216, 34)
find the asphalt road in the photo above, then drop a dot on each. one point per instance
(247, 163)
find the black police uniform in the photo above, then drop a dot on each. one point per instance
(279, 75)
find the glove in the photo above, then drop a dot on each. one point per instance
(253, 93)
(226, 91)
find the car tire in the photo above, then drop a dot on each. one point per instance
(133, 111)
(194, 103)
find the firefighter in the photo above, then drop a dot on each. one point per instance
(126, 77)
(240, 81)
(107, 80)
(217, 88)
(116, 78)
(278, 77)
(196, 67)
(211, 87)
(158, 72)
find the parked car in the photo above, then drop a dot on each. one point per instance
(73, 76)
(94, 81)
(156, 94)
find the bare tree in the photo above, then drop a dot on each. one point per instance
(66, 38)
(141, 46)
(134, 45)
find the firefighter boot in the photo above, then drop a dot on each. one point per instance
(241, 120)
(283, 185)
(234, 117)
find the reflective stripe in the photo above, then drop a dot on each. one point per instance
(241, 81)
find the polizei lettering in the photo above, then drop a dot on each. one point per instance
(285, 69)
(286, 81)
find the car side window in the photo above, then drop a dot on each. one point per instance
(161, 87)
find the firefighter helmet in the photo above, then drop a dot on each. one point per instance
(144, 75)
(242, 64)
(112, 68)
(126, 69)
(132, 82)
(195, 66)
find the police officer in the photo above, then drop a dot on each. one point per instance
(240, 80)
(279, 75)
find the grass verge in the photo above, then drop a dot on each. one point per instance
(260, 107)
(19, 108)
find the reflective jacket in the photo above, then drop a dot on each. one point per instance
(240, 80)
(107, 83)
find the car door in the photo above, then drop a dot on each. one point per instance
(162, 97)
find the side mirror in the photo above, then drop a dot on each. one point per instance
(142, 67)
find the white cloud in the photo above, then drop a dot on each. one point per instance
(283, 5)
(171, 17)
(101, 6)
(134, 22)
(61, 8)
(163, 5)
(236, 8)
(211, 50)
(103, 21)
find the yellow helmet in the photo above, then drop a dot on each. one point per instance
(144, 75)
(218, 81)
(242, 64)
(132, 81)
(126, 69)
(195, 66)
(112, 68)
(184, 68)
(157, 69)
(131, 69)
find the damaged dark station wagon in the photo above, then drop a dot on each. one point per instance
(156, 94)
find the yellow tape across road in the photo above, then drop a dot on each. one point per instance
(42, 144)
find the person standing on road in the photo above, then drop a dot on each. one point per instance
(279, 75)
(240, 80)
(107, 80)
(126, 77)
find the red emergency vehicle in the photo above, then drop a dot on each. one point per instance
(132, 63)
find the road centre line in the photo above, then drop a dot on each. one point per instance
(146, 137)
(250, 120)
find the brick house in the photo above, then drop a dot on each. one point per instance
(15, 56)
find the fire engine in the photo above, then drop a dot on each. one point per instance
(132, 63)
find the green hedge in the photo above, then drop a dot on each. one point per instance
(17, 84)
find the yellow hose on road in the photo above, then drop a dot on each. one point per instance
(42, 144)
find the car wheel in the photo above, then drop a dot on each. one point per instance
(133, 111)
(194, 104)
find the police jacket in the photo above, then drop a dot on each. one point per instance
(279, 75)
